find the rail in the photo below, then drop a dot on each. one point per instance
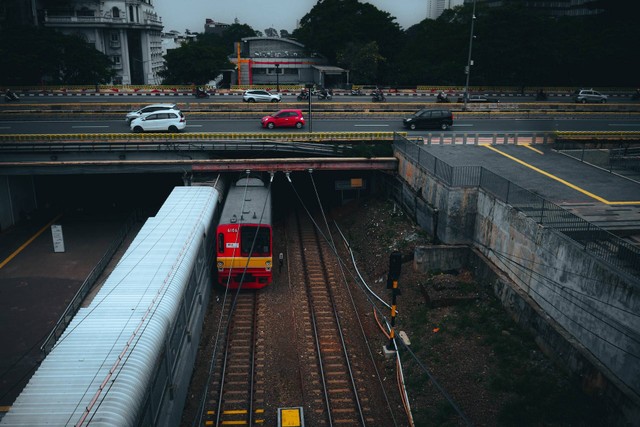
(599, 242)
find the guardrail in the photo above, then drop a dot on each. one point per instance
(86, 287)
(593, 239)
(209, 136)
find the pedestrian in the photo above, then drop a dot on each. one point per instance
(280, 261)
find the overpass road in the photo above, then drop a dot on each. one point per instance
(320, 124)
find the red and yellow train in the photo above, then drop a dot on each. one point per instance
(244, 236)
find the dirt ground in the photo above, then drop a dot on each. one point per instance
(468, 363)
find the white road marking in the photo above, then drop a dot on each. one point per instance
(82, 127)
(623, 124)
(386, 126)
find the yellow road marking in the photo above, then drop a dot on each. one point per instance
(28, 242)
(534, 149)
(560, 180)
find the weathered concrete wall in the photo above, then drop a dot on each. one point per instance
(455, 206)
(596, 307)
(551, 337)
(17, 199)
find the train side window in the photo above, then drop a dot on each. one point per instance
(221, 242)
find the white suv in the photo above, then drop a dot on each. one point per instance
(148, 109)
(590, 95)
(257, 95)
(162, 120)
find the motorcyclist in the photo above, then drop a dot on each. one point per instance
(541, 96)
(10, 96)
(304, 94)
(442, 97)
(378, 95)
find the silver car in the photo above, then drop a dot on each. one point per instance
(148, 109)
(258, 95)
(590, 95)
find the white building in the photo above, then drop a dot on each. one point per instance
(128, 31)
(436, 7)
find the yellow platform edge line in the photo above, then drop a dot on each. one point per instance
(560, 180)
(28, 242)
(534, 149)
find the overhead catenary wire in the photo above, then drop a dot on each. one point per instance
(137, 334)
(344, 279)
(218, 335)
(421, 364)
(543, 280)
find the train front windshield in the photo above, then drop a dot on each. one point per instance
(262, 244)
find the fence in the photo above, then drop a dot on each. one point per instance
(86, 286)
(592, 238)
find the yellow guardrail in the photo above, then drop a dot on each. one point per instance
(155, 137)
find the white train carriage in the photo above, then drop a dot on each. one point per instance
(126, 359)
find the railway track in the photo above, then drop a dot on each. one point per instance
(237, 392)
(338, 399)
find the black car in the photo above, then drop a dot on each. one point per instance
(427, 118)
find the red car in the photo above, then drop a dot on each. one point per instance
(284, 118)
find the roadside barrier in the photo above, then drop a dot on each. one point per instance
(160, 137)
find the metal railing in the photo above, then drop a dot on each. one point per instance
(86, 287)
(599, 242)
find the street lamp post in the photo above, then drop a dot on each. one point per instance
(277, 78)
(309, 87)
(469, 61)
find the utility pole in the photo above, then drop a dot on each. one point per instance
(395, 267)
(469, 60)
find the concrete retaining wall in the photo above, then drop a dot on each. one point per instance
(17, 199)
(551, 337)
(596, 308)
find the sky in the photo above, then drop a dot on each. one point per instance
(261, 14)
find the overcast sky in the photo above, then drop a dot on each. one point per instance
(261, 14)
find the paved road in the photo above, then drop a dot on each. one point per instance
(318, 124)
(402, 98)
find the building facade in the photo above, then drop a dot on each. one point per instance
(280, 61)
(436, 7)
(128, 31)
(551, 7)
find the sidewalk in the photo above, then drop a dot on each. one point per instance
(37, 284)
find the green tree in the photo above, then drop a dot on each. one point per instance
(332, 24)
(194, 62)
(361, 59)
(35, 55)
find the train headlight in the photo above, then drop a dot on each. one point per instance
(268, 265)
(220, 265)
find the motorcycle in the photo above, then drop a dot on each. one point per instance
(442, 98)
(325, 94)
(10, 96)
(636, 95)
(199, 93)
(356, 92)
(303, 96)
(378, 97)
(541, 96)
